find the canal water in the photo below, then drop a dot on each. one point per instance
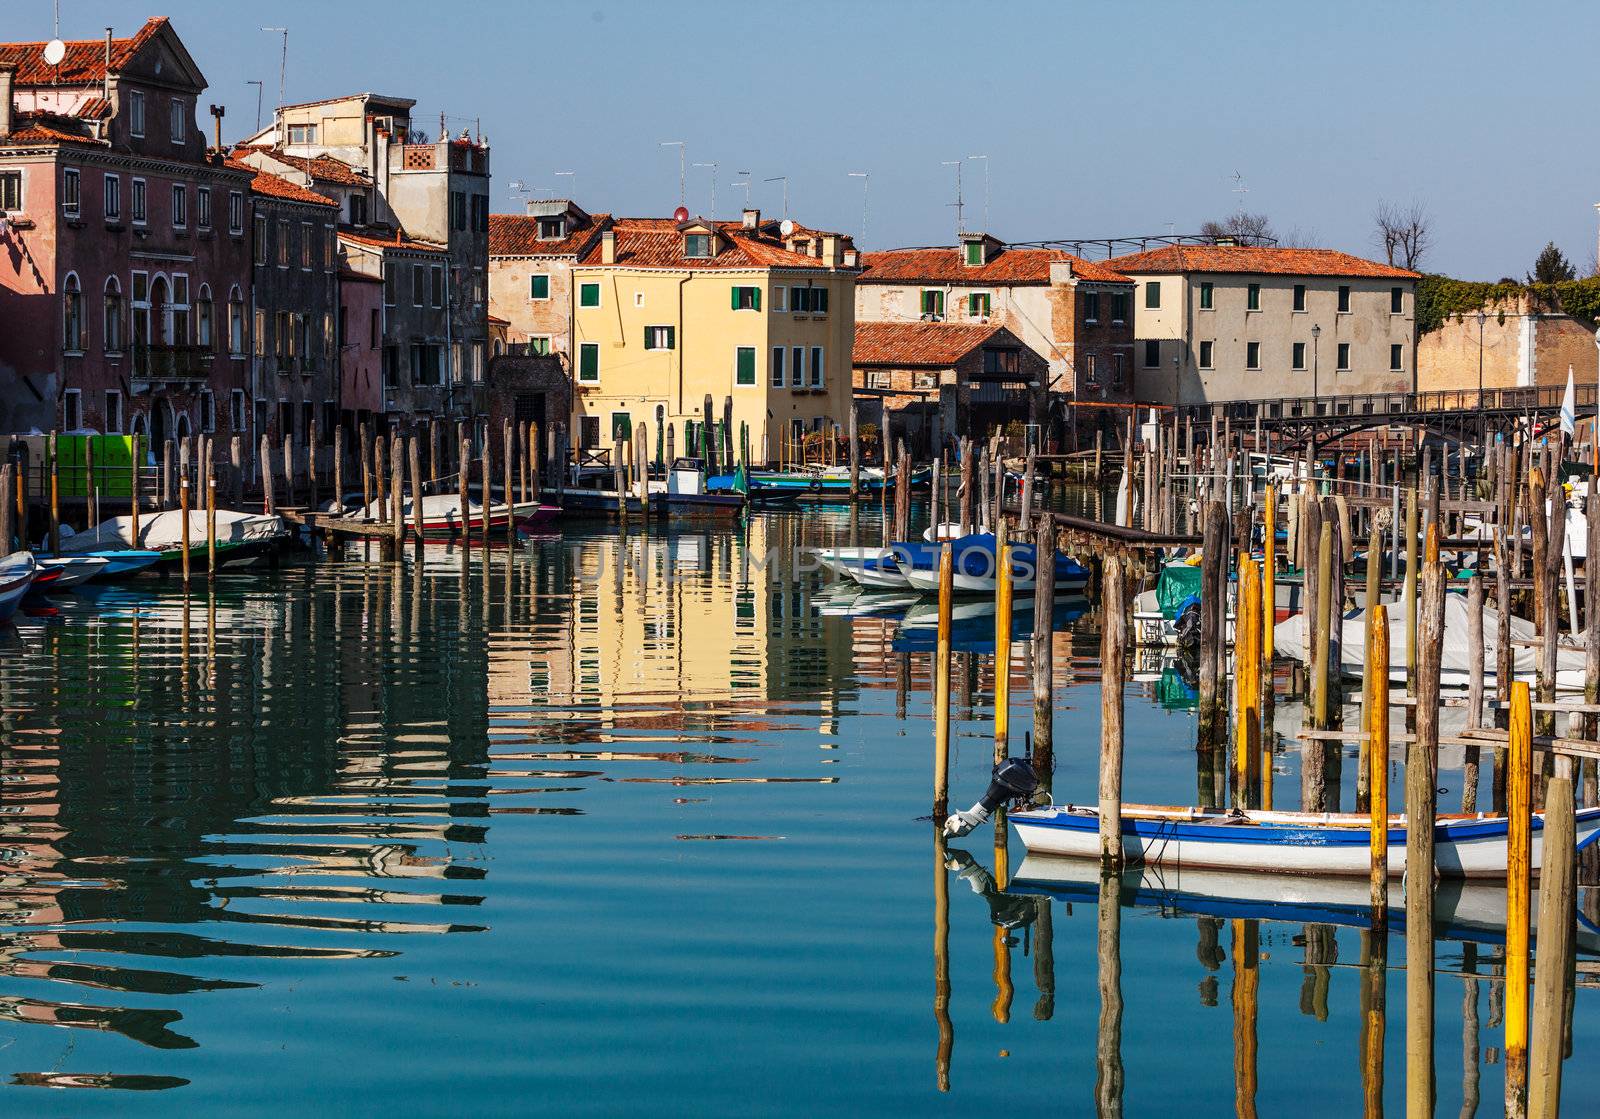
(606, 824)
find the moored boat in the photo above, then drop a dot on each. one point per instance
(242, 538)
(975, 565)
(17, 574)
(70, 571)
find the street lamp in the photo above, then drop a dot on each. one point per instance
(1316, 403)
(1482, 318)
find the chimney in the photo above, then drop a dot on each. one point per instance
(608, 247)
(8, 72)
(752, 219)
(830, 249)
(105, 89)
(217, 113)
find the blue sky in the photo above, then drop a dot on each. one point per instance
(1100, 119)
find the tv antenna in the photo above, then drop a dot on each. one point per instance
(745, 182)
(958, 203)
(283, 59)
(1238, 186)
(573, 175)
(784, 179)
(865, 178)
(259, 85)
(713, 166)
(985, 189)
(683, 171)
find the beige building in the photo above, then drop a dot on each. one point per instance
(666, 313)
(1234, 322)
(531, 256)
(1521, 344)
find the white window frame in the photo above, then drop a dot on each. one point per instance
(1254, 367)
(599, 295)
(308, 134)
(180, 125)
(208, 412)
(202, 207)
(236, 211)
(536, 338)
(755, 367)
(1207, 358)
(238, 415)
(71, 402)
(638, 299)
(595, 380)
(817, 370)
(797, 367)
(180, 206)
(880, 379)
(776, 380)
(111, 191)
(651, 341)
(22, 189)
(138, 189)
(73, 208)
(1397, 357)
(238, 342)
(1349, 353)
(136, 113)
(71, 285)
(545, 298)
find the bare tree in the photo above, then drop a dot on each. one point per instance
(1298, 238)
(1404, 233)
(1243, 227)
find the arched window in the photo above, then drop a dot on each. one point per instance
(72, 334)
(235, 322)
(499, 347)
(112, 316)
(202, 318)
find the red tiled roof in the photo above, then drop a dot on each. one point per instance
(94, 108)
(47, 128)
(498, 321)
(1257, 260)
(84, 62)
(322, 167)
(905, 344)
(948, 266)
(275, 186)
(396, 240)
(658, 243)
(518, 235)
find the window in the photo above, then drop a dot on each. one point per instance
(697, 246)
(1299, 297)
(261, 333)
(746, 299)
(236, 410)
(208, 411)
(436, 285)
(72, 410)
(391, 367)
(1206, 355)
(302, 134)
(477, 361)
(72, 314)
(113, 198)
(180, 129)
(419, 285)
(1344, 355)
(283, 242)
(138, 202)
(1091, 306)
(922, 379)
(809, 301)
(589, 361)
(358, 209)
(308, 244)
(304, 335)
(777, 367)
(1119, 308)
(932, 302)
(480, 213)
(974, 253)
(136, 113)
(71, 193)
(879, 379)
(816, 367)
(1152, 354)
(1092, 371)
(202, 318)
(1397, 302)
(589, 431)
(659, 337)
(390, 283)
(1299, 361)
(1252, 355)
(426, 360)
(978, 304)
(330, 248)
(202, 207)
(235, 323)
(1207, 296)
(261, 239)
(1344, 299)
(539, 286)
(797, 366)
(235, 211)
(1152, 294)
(1252, 297)
(1002, 361)
(589, 295)
(1397, 356)
(180, 206)
(552, 229)
(458, 210)
(778, 300)
(308, 416)
(177, 325)
(539, 344)
(113, 412)
(1118, 376)
(744, 365)
(111, 316)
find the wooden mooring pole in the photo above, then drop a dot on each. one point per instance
(941, 692)
(1519, 859)
(1113, 647)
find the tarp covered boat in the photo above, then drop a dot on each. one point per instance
(241, 537)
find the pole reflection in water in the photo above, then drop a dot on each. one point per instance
(1108, 1037)
(1373, 1001)
(1469, 1031)
(1246, 978)
(1003, 990)
(941, 953)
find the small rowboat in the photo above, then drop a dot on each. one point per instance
(974, 565)
(1323, 843)
(72, 570)
(441, 515)
(17, 573)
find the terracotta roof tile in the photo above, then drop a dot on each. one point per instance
(323, 167)
(906, 344)
(1257, 260)
(84, 62)
(1008, 266)
(518, 235)
(396, 240)
(47, 128)
(658, 243)
(275, 186)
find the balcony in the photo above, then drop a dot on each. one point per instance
(171, 363)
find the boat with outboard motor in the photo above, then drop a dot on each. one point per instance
(242, 538)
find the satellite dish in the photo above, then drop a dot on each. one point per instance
(681, 214)
(54, 51)
(786, 227)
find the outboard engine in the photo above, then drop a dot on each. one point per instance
(1187, 623)
(1013, 779)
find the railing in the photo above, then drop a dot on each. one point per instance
(1398, 404)
(172, 363)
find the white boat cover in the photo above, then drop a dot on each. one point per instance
(162, 532)
(437, 507)
(1455, 664)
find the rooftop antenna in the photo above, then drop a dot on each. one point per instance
(865, 178)
(258, 86)
(784, 179)
(573, 175)
(1238, 186)
(683, 170)
(985, 189)
(958, 203)
(713, 166)
(745, 182)
(283, 60)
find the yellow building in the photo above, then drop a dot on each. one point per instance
(666, 313)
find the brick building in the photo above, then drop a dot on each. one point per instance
(531, 257)
(1524, 343)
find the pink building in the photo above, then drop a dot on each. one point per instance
(124, 246)
(361, 346)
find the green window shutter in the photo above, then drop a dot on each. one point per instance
(755, 297)
(647, 338)
(746, 366)
(672, 337)
(539, 286)
(589, 362)
(735, 298)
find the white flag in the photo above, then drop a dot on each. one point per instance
(1569, 407)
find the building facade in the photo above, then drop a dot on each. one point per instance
(1072, 312)
(125, 249)
(1233, 322)
(667, 313)
(360, 348)
(1521, 343)
(531, 257)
